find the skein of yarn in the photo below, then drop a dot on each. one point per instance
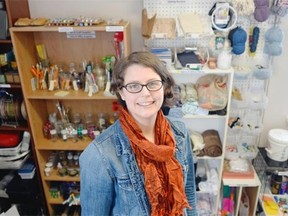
(243, 7)
(273, 41)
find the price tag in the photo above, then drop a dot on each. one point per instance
(159, 35)
(65, 29)
(283, 173)
(81, 34)
(114, 28)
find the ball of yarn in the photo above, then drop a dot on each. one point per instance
(273, 41)
(261, 13)
(254, 40)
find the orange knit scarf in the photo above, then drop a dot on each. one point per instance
(163, 174)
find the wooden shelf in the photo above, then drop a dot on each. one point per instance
(41, 103)
(65, 29)
(55, 177)
(8, 41)
(55, 201)
(70, 145)
(10, 86)
(69, 95)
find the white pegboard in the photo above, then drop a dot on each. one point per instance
(172, 8)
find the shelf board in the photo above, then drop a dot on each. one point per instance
(22, 127)
(68, 95)
(55, 201)
(237, 182)
(8, 85)
(101, 27)
(209, 158)
(55, 177)
(46, 144)
(7, 41)
(204, 70)
(189, 116)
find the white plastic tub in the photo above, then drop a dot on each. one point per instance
(278, 145)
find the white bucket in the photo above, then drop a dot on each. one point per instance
(278, 145)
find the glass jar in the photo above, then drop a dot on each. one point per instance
(101, 122)
(76, 159)
(100, 77)
(85, 134)
(64, 134)
(53, 134)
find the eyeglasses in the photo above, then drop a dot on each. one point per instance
(137, 87)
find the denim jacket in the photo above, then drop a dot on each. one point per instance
(111, 182)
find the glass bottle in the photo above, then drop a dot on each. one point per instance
(85, 134)
(54, 135)
(76, 159)
(70, 159)
(100, 77)
(113, 118)
(101, 122)
(64, 134)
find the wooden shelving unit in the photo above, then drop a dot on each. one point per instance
(40, 103)
(16, 9)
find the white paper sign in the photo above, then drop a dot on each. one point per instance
(81, 34)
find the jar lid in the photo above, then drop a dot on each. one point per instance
(279, 135)
(49, 165)
(53, 132)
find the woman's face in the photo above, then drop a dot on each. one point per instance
(143, 106)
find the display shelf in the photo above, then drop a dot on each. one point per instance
(62, 49)
(203, 70)
(189, 116)
(10, 86)
(68, 95)
(55, 201)
(100, 27)
(200, 123)
(208, 158)
(242, 182)
(47, 144)
(55, 177)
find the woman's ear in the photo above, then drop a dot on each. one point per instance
(121, 94)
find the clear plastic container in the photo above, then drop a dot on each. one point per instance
(54, 135)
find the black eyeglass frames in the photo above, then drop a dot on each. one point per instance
(134, 88)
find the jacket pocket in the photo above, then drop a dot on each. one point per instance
(127, 197)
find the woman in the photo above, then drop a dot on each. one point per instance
(142, 164)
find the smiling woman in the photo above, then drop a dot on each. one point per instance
(142, 164)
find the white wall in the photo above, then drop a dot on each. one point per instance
(131, 10)
(277, 110)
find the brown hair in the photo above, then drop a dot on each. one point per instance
(145, 59)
